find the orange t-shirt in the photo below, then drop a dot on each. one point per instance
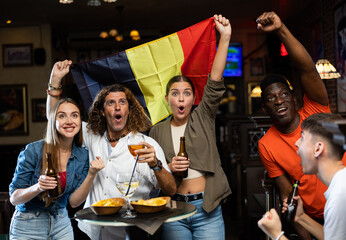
(279, 155)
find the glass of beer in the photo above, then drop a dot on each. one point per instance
(133, 143)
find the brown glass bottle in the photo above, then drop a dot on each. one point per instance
(292, 203)
(52, 172)
(182, 153)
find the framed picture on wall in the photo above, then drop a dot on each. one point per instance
(256, 66)
(340, 56)
(38, 106)
(17, 55)
(13, 110)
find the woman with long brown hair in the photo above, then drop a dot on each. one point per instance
(38, 215)
(206, 184)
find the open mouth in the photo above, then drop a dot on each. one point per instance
(181, 108)
(69, 129)
(118, 117)
(282, 111)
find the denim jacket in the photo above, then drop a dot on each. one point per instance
(28, 171)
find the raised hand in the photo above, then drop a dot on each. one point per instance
(222, 25)
(96, 165)
(268, 22)
(270, 224)
(60, 69)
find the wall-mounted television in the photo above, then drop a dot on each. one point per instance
(234, 64)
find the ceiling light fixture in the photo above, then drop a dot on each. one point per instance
(136, 38)
(326, 69)
(134, 33)
(119, 36)
(104, 34)
(94, 3)
(113, 32)
(256, 92)
(66, 1)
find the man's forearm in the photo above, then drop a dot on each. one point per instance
(284, 185)
(296, 51)
(311, 82)
(166, 181)
(312, 226)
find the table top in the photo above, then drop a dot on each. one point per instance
(174, 211)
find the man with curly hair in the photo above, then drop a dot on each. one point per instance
(114, 115)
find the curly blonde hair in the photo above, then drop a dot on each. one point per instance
(137, 121)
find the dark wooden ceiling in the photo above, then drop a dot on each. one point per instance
(161, 15)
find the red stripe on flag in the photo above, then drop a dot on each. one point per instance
(199, 47)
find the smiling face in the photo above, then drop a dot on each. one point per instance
(181, 99)
(116, 112)
(68, 120)
(280, 104)
(306, 149)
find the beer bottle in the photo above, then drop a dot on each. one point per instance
(292, 203)
(182, 153)
(52, 172)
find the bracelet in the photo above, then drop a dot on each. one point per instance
(278, 237)
(157, 166)
(154, 165)
(53, 95)
(54, 88)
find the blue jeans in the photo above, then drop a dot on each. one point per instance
(41, 225)
(202, 225)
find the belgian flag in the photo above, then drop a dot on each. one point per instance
(147, 68)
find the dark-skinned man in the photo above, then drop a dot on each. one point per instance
(277, 147)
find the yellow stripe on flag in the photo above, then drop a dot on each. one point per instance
(153, 64)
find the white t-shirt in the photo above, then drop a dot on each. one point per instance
(178, 132)
(335, 209)
(117, 159)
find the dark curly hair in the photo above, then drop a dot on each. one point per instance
(137, 121)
